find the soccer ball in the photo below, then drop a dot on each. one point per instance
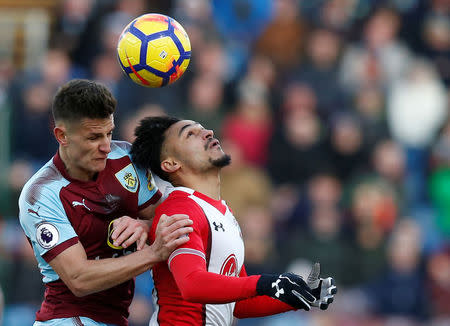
(154, 50)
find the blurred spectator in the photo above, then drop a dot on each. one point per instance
(388, 160)
(320, 71)
(211, 60)
(33, 125)
(347, 146)
(401, 290)
(381, 58)
(239, 23)
(298, 96)
(242, 184)
(259, 80)
(106, 71)
(23, 290)
(257, 229)
(283, 39)
(250, 127)
(322, 190)
(340, 15)
(435, 33)
(322, 241)
(297, 149)
(128, 126)
(373, 212)
(417, 107)
(438, 271)
(369, 106)
(205, 102)
(73, 19)
(441, 147)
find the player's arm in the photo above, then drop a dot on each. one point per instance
(259, 306)
(188, 267)
(84, 276)
(128, 230)
(196, 284)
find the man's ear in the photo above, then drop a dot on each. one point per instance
(169, 165)
(60, 133)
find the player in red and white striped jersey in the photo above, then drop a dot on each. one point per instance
(204, 280)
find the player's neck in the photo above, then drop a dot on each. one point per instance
(208, 185)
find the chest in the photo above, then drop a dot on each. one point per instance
(91, 207)
(225, 247)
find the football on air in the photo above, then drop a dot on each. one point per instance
(154, 50)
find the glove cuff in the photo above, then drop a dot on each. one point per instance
(264, 284)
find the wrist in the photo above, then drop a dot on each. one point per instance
(152, 255)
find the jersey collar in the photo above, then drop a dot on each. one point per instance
(218, 204)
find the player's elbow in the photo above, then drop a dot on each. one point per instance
(191, 294)
(77, 284)
(78, 288)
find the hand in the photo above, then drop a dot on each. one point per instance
(171, 232)
(322, 289)
(288, 288)
(124, 231)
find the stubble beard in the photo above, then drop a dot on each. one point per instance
(221, 162)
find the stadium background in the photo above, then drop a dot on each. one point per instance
(335, 113)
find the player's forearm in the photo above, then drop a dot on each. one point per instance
(217, 288)
(98, 275)
(200, 286)
(259, 307)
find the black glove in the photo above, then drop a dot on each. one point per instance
(322, 289)
(288, 288)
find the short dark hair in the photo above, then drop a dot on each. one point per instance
(146, 149)
(82, 98)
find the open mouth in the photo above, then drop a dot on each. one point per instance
(212, 143)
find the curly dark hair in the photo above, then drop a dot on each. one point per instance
(146, 149)
(82, 98)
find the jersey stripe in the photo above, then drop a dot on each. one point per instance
(189, 251)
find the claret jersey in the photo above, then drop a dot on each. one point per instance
(57, 212)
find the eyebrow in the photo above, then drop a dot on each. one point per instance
(185, 126)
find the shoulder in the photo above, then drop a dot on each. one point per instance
(178, 202)
(119, 149)
(43, 185)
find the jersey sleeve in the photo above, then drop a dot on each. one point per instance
(198, 285)
(182, 205)
(148, 191)
(47, 227)
(46, 224)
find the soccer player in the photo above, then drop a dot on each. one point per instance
(204, 280)
(70, 207)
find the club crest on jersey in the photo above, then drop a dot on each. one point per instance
(47, 235)
(150, 185)
(128, 178)
(229, 266)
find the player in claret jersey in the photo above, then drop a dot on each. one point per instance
(89, 186)
(204, 280)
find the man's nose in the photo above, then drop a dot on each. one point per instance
(105, 146)
(208, 133)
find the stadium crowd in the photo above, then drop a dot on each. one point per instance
(335, 113)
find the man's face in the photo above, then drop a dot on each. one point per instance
(194, 147)
(88, 146)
